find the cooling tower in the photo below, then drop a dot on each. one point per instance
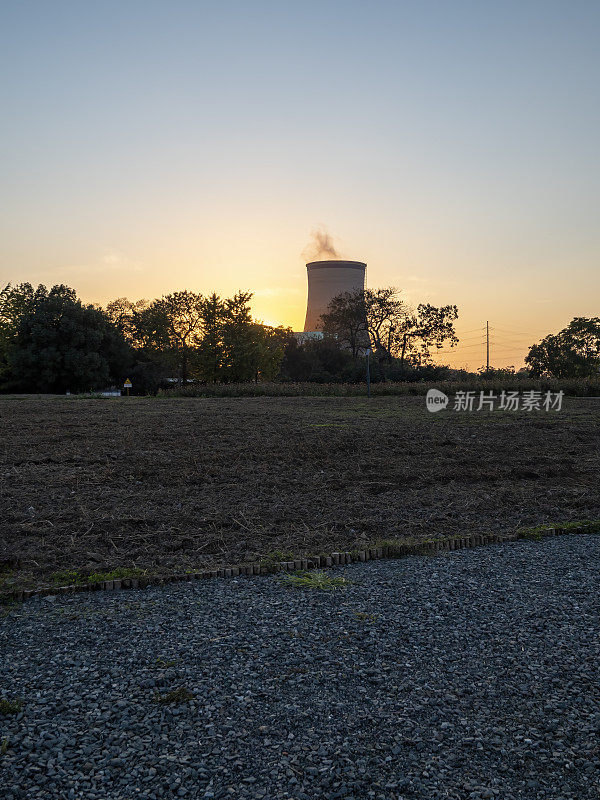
(327, 279)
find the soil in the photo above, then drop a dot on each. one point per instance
(175, 484)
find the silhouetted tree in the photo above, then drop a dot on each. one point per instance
(251, 351)
(574, 352)
(123, 313)
(418, 334)
(61, 344)
(346, 320)
(14, 302)
(380, 317)
(322, 360)
(209, 354)
(170, 328)
(386, 313)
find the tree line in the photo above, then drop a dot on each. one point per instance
(50, 341)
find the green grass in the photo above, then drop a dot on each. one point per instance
(400, 547)
(71, 577)
(365, 616)
(578, 526)
(534, 534)
(180, 695)
(315, 580)
(160, 662)
(275, 556)
(584, 526)
(116, 574)
(10, 707)
(67, 577)
(4, 744)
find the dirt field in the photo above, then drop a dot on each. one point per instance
(181, 483)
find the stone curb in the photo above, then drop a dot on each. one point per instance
(398, 550)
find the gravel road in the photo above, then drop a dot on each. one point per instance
(471, 674)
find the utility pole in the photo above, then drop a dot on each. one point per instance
(487, 345)
(368, 371)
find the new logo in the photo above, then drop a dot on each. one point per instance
(436, 400)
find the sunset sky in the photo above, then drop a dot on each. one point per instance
(152, 146)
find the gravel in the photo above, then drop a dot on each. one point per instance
(471, 674)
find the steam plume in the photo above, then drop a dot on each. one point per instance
(321, 246)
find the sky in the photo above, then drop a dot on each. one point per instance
(151, 146)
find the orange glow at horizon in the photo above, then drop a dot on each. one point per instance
(282, 301)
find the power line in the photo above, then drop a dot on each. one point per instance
(514, 336)
(515, 345)
(498, 350)
(500, 342)
(458, 348)
(507, 337)
(512, 331)
(495, 342)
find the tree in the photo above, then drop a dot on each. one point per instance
(418, 334)
(150, 333)
(61, 344)
(146, 331)
(250, 351)
(386, 313)
(209, 355)
(14, 302)
(207, 338)
(316, 359)
(346, 320)
(380, 317)
(170, 328)
(573, 352)
(123, 314)
(254, 352)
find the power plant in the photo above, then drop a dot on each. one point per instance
(327, 279)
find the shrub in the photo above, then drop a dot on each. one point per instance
(10, 707)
